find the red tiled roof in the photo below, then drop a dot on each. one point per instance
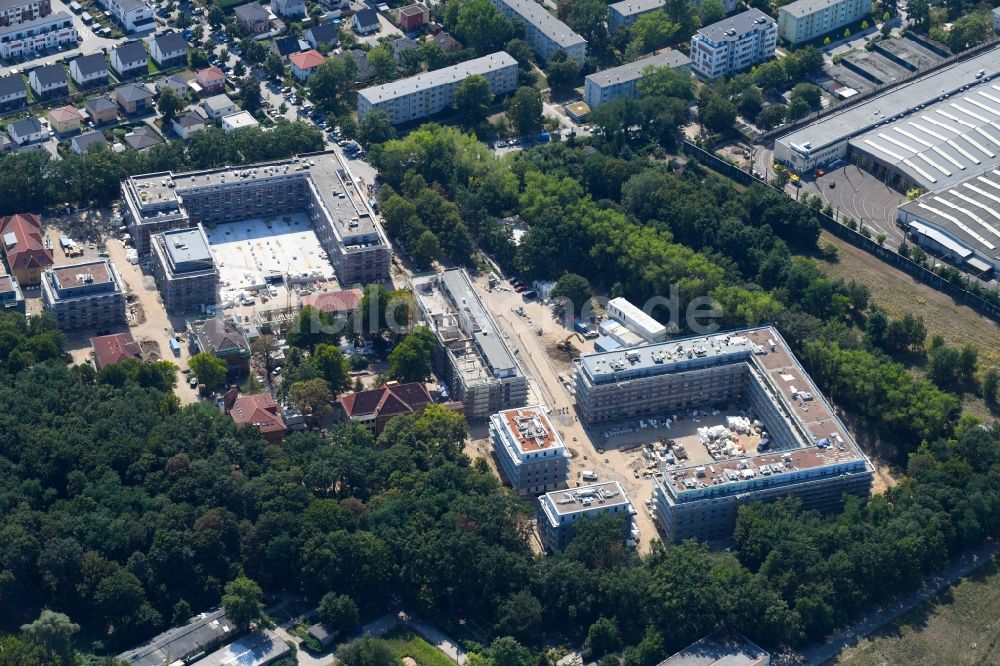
(109, 349)
(306, 59)
(27, 250)
(210, 74)
(387, 400)
(260, 411)
(65, 114)
(334, 301)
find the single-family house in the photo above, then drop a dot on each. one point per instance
(238, 120)
(289, 8)
(365, 22)
(304, 65)
(49, 81)
(65, 119)
(142, 138)
(414, 17)
(286, 46)
(374, 408)
(23, 247)
(175, 82)
(13, 92)
(130, 60)
(25, 131)
(89, 70)
(101, 110)
(82, 142)
(221, 338)
(259, 411)
(365, 70)
(133, 98)
(168, 50)
(211, 79)
(114, 348)
(400, 46)
(254, 18)
(325, 33)
(187, 123)
(218, 106)
(446, 42)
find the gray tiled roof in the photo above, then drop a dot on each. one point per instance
(91, 64)
(131, 52)
(11, 84)
(170, 43)
(50, 74)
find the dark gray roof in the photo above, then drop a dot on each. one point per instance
(91, 64)
(735, 27)
(12, 84)
(367, 17)
(26, 126)
(189, 119)
(325, 33)
(98, 104)
(200, 633)
(84, 141)
(133, 92)
(251, 12)
(142, 137)
(170, 43)
(50, 74)
(131, 52)
(287, 45)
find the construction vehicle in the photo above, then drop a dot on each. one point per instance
(564, 344)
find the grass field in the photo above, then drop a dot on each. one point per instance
(405, 643)
(958, 626)
(898, 294)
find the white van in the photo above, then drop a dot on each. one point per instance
(587, 475)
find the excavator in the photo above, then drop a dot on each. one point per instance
(564, 344)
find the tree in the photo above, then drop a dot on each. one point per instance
(339, 612)
(252, 51)
(520, 51)
(480, 26)
(411, 360)
(574, 288)
(665, 82)
(311, 397)
(376, 128)
(711, 11)
(718, 114)
(561, 71)
(650, 32)
(382, 62)
(920, 14)
(198, 58)
(797, 108)
(426, 250)
(216, 15)
(250, 93)
(603, 637)
(331, 80)
(311, 326)
(524, 109)
(589, 19)
(991, 381)
(771, 117)
(264, 348)
(506, 651)
(771, 75)
(473, 98)
(331, 365)
(968, 360)
(969, 30)
(210, 370)
(943, 367)
(54, 632)
(366, 651)
(183, 20)
(520, 616)
(239, 69)
(807, 92)
(242, 603)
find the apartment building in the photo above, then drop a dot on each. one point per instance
(559, 512)
(618, 82)
(733, 44)
(11, 296)
(472, 357)
(85, 295)
(132, 15)
(184, 269)
(316, 184)
(425, 94)
(542, 30)
(532, 456)
(805, 20)
(13, 12)
(37, 34)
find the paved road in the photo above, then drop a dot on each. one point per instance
(872, 621)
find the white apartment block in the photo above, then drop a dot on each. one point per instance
(733, 44)
(805, 20)
(621, 81)
(529, 450)
(542, 30)
(13, 12)
(429, 93)
(37, 34)
(559, 512)
(133, 15)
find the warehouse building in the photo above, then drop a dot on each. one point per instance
(316, 184)
(543, 31)
(621, 81)
(960, 223)
(805, 20)
(84, 295)
(808, 452)
(929, 132)
(560, 511)
(733, 44)
(184, 269)
(472, 357)
(425, 94)
(529, 450)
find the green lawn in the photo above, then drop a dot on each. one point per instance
(958, 626)
(405, 643)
